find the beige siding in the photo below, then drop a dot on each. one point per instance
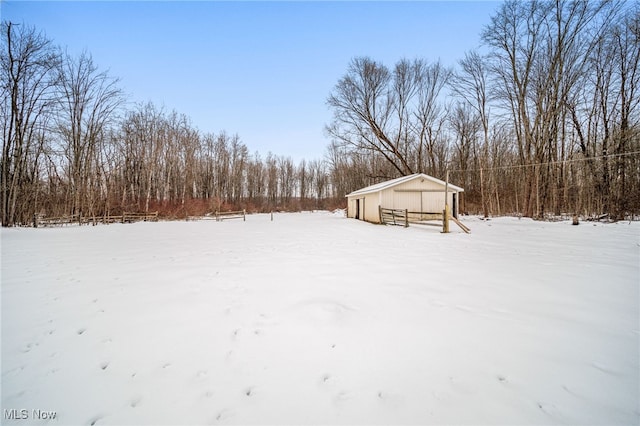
(371, 203)
(400, 197)
(368, 208)
(417, 195)
(351, 207)
(433, 202)
(406, 200)
(418, 184)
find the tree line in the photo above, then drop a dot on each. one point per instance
(542, 119)
(72, 147)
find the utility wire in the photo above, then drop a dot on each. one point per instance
(548, 163)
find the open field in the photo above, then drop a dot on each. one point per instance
(316, 319)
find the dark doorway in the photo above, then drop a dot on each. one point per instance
(357, 209)
(455, 204)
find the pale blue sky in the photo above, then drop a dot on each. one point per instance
(262, 70)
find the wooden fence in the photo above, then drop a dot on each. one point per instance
(394, 216)
(240, 214)
(136, 217)
(127, 217)
(405, 217)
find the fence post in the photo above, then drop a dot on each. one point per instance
(445, 219)
(380, 213)
(445, 213)
(406, 218)
(244, 215)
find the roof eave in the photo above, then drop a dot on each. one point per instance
(369, 190)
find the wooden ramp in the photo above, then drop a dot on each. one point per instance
(462, 226)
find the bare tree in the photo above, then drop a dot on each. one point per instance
(363, 104)
(239, 159)
(27, 62)
(395, 115)
(430, 117)
(625, 42)
(539, 50)
(256, 181)
(88, 101)
(465, 123)
(470, 83)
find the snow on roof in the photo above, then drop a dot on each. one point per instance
(393, 182)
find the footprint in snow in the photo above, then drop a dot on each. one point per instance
(14, 371)
(549, 409)
(135, 401)
(326, 379)
(390, 398)
(606, 369)
(224, 414)
(104, 365)
(81, 331)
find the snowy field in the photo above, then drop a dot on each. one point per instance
(318, 319)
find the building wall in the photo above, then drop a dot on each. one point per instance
(372, 213)
(432, 202)
(366, 206)
(404, 196)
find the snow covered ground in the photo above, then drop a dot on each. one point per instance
(317, 319)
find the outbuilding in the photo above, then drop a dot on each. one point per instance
(419, 194)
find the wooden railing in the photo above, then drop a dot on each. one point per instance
(57, 220)
(240, 214)
(422, 216)
(127, 217)
(394, 216)
(404, 217)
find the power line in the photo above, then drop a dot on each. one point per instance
(548, 163)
